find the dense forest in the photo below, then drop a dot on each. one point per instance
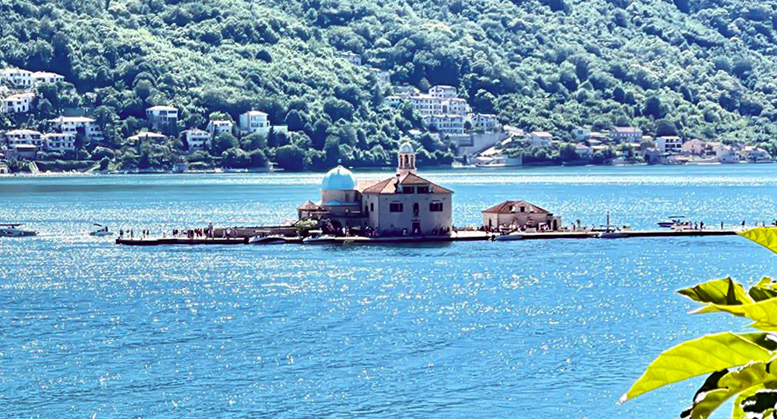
(703, 68)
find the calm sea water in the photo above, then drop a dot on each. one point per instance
(541, 329)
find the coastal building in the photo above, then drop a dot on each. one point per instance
(669, 145)
(443, 92)
(197, 139)
(755, 154)
(626, 135)
(584, 151)
(694, 147)
(216, 128)
(519, 215)
(162, 118)
(581, 134)
(727, 155)
(254, 121)
(22, 152)
(485, 122)
(24, 136)
(17, 78)
(446, 124)
(18, 103)
(147, 136)
(72, 124)
(540, 139)
(59, 142)
(404, 204)
(40, 77)
(351, 57)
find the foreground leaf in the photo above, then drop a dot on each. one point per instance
(765, 289)
(757, 375)
(763, 313)
(765, 236)
(723, 291)
(697, 357)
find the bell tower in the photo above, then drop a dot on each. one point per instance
(406, 159)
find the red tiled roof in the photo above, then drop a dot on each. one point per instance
(508, 207)
(389, 186)
(308, 206)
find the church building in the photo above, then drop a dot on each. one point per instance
(404, 204)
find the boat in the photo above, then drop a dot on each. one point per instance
(13, 230)
(509, 237)
(671, 222)
(320, 240)
(102, 231)
(613, 235)
(267, 240)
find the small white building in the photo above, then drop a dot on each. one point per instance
(18, 103)
(198, 139)
(727, 155)
(695, 147)
(519, 215)
(540, 139)
(626, 134)
(60, 142)
(581, 134)
(18, 78)
(669, 145)
(40, 77)
(147, 136)
(71, 125)
(446, 124)
(484, 121)
(444, 92)
(216, 128)
(755, 154)
(162, 118)
(383, 77)
(24, 136)
(254, 121)
(351, 57)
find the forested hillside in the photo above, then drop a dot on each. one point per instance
(704, 68)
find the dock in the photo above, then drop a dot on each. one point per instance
(455, 237)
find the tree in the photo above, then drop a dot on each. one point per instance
(290, 157)
(222, 143)
(739, 365)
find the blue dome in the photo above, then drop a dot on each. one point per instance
(339, 179)
(406, 147)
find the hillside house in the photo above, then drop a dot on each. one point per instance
(216, 128)
(254, 121)
(40, 77)
(72, 124)
(162, 118)
(197, 139)
(626, 135)
(669, 145)
(18, 103)
(17, 78)
(540, 139)
(446, 124)
(59, 142)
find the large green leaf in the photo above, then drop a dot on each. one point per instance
(765, 289)
(756, 375)
(763, 313)
(723, 291)
(697, 357)
(765, 236)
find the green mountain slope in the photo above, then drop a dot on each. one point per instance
(699, 68)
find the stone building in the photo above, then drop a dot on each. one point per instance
(404, 204)
(519, 215)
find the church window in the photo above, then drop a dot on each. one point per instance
(396, 207)
(435, 207)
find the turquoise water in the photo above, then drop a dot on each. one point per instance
(552, 329)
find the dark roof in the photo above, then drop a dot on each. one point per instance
(509, 207)
(389, 186)
(308, 206)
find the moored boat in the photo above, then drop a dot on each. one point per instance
(267, 240)
(320, 240)
(509, 237)
(614, 235)
(102, 231)
(13, 230)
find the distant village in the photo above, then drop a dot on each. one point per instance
(480, 139)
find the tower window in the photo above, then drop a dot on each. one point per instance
(372, 206)
(422, 189)
(395, 207)
(435, 207)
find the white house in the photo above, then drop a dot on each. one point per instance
(695, 147)
(755, 154)
(626, 134)
(24, 136)
(352, 58)
(39, 77)
(446, 124)
(484, 121)
(18, 103)
(216, 128)
(59, 141)
(581, 134)
(726, 154)
(147, 136)
(71, 125)
(383, 77)
(254, 121)
(445, 92)
(197, 139)
(162, 118)
(540, 139)
(671, 145)
(18, 78)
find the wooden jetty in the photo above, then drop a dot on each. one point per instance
(455, 237)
